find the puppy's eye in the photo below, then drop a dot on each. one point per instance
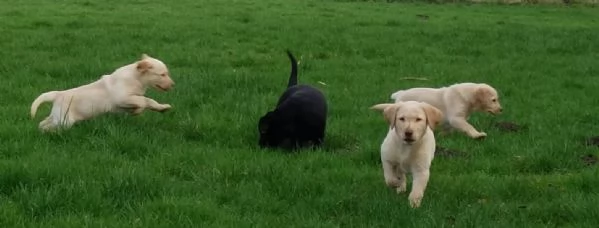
(494, 100)
(163, 75)
(418, 119)
(402, 119)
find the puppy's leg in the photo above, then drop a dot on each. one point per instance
(61, 117)
(139, 103)
(319, 139)
(155, 106)
(46, 124)
(402, 180)
(419, 182)
(390, 177)
(463, 125)
(51, 124)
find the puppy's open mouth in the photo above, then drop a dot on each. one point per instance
(409, 141)
(160, 88)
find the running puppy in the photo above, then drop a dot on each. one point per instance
(456, 102)
(409, 146)
(299, 119)
(121, 91)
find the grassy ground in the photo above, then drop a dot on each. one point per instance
(199, 165)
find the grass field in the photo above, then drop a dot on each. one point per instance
(199, 165)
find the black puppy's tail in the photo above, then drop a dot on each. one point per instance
(293, 76)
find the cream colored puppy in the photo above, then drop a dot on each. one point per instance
(409, 146)
(456, 102)
(121, 91)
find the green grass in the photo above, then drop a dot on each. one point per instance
(199, 165)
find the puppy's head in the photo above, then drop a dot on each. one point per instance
(487, 99)
(154, 73)
(410, 119)
(273, 129)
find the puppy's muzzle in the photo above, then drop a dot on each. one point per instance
(165, 86)
(496, 111)
(408, 137)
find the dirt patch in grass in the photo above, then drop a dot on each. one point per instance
(422, 17)
(446, 152)
(592, 141)
(450, 220)
(506, 126)
(588, 159)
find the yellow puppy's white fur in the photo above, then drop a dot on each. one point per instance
(121, 91)
(456, 102)
(409, 146)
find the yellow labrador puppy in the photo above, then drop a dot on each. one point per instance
(121, 91)
(456, 102)
(409, 146)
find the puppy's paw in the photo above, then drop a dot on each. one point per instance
(164, 108)
(401, 189)
(402, 185)
(47, 128)
(478, 135)
(392, 182)
(51, 128)
(415, 199)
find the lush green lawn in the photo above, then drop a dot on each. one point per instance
(199, 164)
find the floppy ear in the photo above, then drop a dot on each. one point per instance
(143, 66)
(389, 111)
(479, 95)
(263, 126)
(433, 115)
(264, 123)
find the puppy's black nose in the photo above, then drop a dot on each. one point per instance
(408, 134)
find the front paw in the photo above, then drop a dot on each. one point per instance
(478, 135)
(393, 182)
(401, 189)
(402, 185)
(163, 108)
(415, 199)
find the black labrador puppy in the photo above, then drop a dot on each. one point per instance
(299, 120)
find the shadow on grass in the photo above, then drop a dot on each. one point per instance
(333, 144)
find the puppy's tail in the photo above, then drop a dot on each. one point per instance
(44, 97)
(293, 75)
(396, 95)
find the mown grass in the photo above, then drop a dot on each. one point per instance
(199, 165)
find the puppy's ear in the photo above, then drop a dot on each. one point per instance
(434, 116)
(389, 111)
(480, 95)
(263, 127)
(143, 66)
(264, 123)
